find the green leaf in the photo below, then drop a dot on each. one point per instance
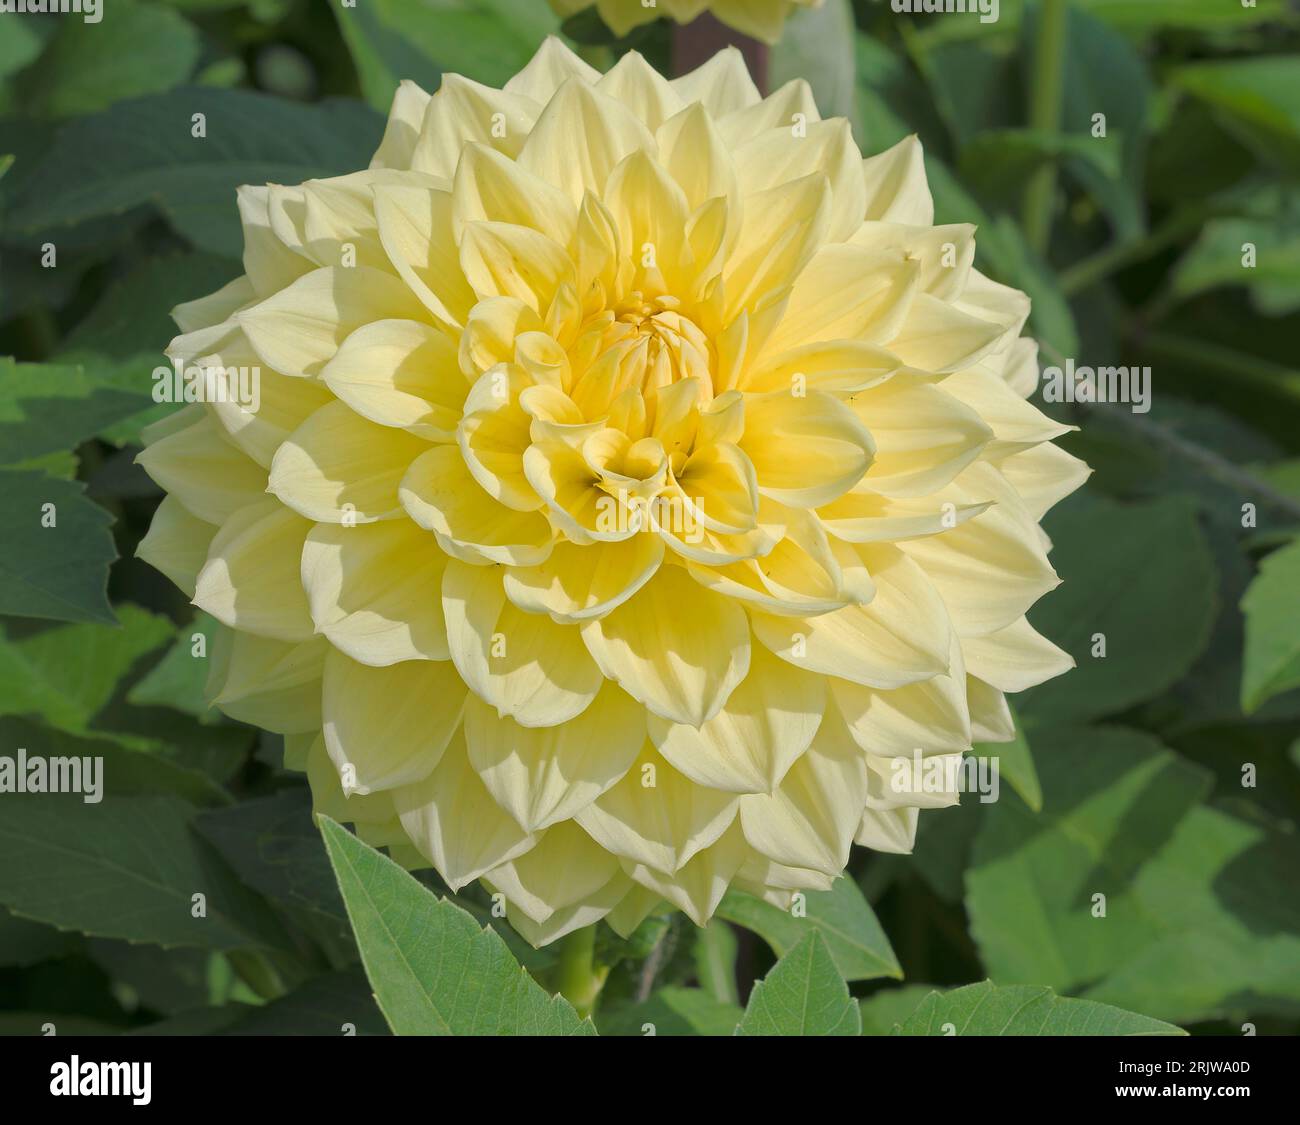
(178, 680)
(884, 1011)
(127, 867)
(1142, 576)
(1272, 609)
(856, 942)
(134, 49)
(817, 45)
(986, 1009)
(272, 844)
(1215, 259)
(143, 151)
(1138, 17)
(47, 408)
(1194, 925)
(135, 309)
(58, 572)
(66, 674)
(129, 770)
(434, 971)
(337, 1003)
(170, 982)
(671, 1011)
(1257, 98)
(486, 40)
(1000, 160)
(804, 994)
(23, 942)
(19, 46)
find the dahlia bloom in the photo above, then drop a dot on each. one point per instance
(638, 473)
(761, 19)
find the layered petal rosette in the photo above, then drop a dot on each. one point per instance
(638, 475)
(761, 19)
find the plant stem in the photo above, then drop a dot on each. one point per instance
(576, 976)
(698, 41)
(1093, 269)
(1245, 369)
(1045, 98)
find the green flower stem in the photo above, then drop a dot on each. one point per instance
(1046, 94)
(1244, 370)
(1102, 264)
(576, 977)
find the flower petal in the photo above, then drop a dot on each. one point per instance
(675, 646)
(901, 637)
(750, 744)
(388, 727)
(251, 579)
(439, 493)
(297, 330)
(523, 664)
(338, 467)
(368, 587)
(401, 373)
(454, 822)
(544, 775)
(657, 816)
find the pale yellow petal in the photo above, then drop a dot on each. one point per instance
(696, 888)
(439, 493)
(544, 775)
(565, 868)
(580, 137)
(901, 637)
(405, 116)
(251, 578)
(657, 816)
(372, 590)
(177, 543)
(924, 437)
(675, 646)
(401, 373)
(338, 467)
(897, 191)
(203, 470)
(810, 819)
(750, 744)
(577, 582)
(454, 822)
(415, 229)
(525, 665)
(297, 330)
(266, 683)
(388, 727)
(806, 449)
(1014, 658)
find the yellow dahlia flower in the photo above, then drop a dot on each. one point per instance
(637, 473)
(761, 19)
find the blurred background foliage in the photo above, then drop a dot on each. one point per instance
(1130, 775)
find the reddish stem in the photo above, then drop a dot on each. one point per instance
(695, 43)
